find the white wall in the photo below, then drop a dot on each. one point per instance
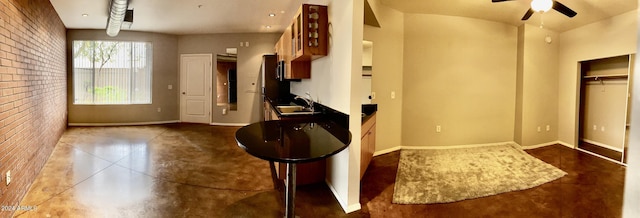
(632, 183)
(611, 37)
(365, 90)
(249, 62)
(388, 47)
(537, 86)
(335, 82)
(605, 108)
(459, 73)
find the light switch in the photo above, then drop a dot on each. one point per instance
(170, 87)
(373, 95)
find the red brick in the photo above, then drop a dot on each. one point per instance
(33, 87)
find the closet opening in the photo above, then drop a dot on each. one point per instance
(605, 93)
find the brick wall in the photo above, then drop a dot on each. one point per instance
(33, 93)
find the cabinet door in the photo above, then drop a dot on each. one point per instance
(286, 47)
(372, 141)
(298, 33)
(364, 156)
(278, 48)
(267, 111)
(274, 115)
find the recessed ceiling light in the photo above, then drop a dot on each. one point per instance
(84, 15)
(272, 15)
(282, 12)
(268, 27)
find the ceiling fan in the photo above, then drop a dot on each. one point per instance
(544, 6)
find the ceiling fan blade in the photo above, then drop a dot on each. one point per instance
(563, 9)
(494, 1)
(528, 14)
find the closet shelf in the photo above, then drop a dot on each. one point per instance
(612, 76)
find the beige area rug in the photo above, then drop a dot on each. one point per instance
(448, 175)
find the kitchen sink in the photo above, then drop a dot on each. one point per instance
(294, 110)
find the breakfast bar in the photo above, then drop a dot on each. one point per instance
(293, 142)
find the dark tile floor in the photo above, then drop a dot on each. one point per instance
(592, 188)
(189, 170)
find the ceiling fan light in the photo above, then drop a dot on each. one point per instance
(541, 5)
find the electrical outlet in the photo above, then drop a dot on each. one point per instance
(8, 179)
(393, 95)
(438, 128)
(595, 127)
(548, 128)
(602, 128)
(539, 129)
(170, 87)
(224, 111)
(159, 109)
(373, 95)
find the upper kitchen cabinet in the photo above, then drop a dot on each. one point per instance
(306, 39)
(309, 33)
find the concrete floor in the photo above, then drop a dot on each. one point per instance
(191, 170)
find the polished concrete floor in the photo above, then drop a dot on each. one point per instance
(190, 170)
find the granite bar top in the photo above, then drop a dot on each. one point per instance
(293, 141)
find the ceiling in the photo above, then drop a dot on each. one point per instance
(511, 12)
(252, 16)
(184, 16)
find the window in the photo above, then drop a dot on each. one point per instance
(112, 72)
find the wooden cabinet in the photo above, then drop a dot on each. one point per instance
(367, 143)
(309, 33)
(304, 40)
(269, 113)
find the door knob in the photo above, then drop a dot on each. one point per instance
(184, 93)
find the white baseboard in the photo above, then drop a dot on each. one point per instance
(568, 145)
(386, 151)
(229, 124)
(540, 145)
(353, 208)
(124, 124)
(458, 146)
(603, 145)
(346, 208)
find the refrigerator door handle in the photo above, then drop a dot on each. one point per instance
(280, 70)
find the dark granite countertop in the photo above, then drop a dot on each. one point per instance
(368, 110)
(326, 113)
(292, 141)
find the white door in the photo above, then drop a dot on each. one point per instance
(195, 88)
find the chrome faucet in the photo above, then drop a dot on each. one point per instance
(309, 101)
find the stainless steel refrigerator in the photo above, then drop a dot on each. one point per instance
(272, 87)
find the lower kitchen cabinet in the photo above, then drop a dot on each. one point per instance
(367, 143)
